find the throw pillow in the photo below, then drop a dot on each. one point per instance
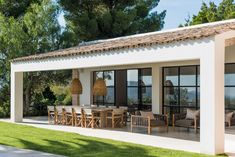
(147, 114)
(191, 114)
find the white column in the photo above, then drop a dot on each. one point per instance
(75, 97)
(212, 99)
(85, 78)
(156, 87)
(16, 96)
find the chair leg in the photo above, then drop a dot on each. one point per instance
(113, 121)
(92, 123)
(122, 122)
(149, 130)
(55, 119)
(49, 118)
(106, 122)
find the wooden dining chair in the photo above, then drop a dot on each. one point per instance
(125, 114)
(68, 113)
(116, 117)
(91, 118)
(51, 114)
(60, 115)
(78, 116)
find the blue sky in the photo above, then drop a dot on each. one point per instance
(177, 11)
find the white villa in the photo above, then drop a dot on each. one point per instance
(165, 72)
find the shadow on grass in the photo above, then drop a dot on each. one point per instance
(81, 147)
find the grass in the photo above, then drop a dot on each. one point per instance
(75, 145)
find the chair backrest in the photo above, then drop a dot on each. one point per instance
(102, 106)
(51, 108)
(147, 114)
(123, 107)
(59, 108)
(92, 105)
(68, 109)
(77, 109)
(87, 111)
(118, 111)
(86, 105)
(112, 107)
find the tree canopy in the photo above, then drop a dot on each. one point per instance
(33, 30)
(15, 8)
(100, 19)
(30, 27)
(211, 13)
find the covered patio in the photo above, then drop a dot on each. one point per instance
(210, 46)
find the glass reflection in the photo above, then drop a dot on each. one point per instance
(230, 74)
(230, 97)
(132, 95)
(171, 75)
(109, 78)
(147, 95)
(146, 77)
(132, 77)
(188, 96)
(171, 96)
(188, 76)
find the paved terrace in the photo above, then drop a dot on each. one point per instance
(178, 138)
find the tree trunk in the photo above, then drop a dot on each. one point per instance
(27, 99)
(27, 93)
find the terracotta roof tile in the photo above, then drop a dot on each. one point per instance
(143, 40)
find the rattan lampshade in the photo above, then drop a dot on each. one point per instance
(76, 86)
(100, 88)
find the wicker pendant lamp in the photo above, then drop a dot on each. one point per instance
(100, 88)
(76, 86)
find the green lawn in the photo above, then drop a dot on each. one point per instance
(70, 144)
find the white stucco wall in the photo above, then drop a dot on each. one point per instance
(185, 50)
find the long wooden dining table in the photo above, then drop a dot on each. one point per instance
(103, 113)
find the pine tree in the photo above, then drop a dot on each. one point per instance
(100, 19)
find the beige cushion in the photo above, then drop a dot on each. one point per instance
(228, 117)
(191, 114)
(147, 114)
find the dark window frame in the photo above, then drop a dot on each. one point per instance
(228, 86)
(179, 86)
(138, 86)
(113, 86)
(197, 87)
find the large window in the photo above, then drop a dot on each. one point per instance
(130, 87)
(109, 77)
(180, 88)
(230, 86)
(139, 88)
